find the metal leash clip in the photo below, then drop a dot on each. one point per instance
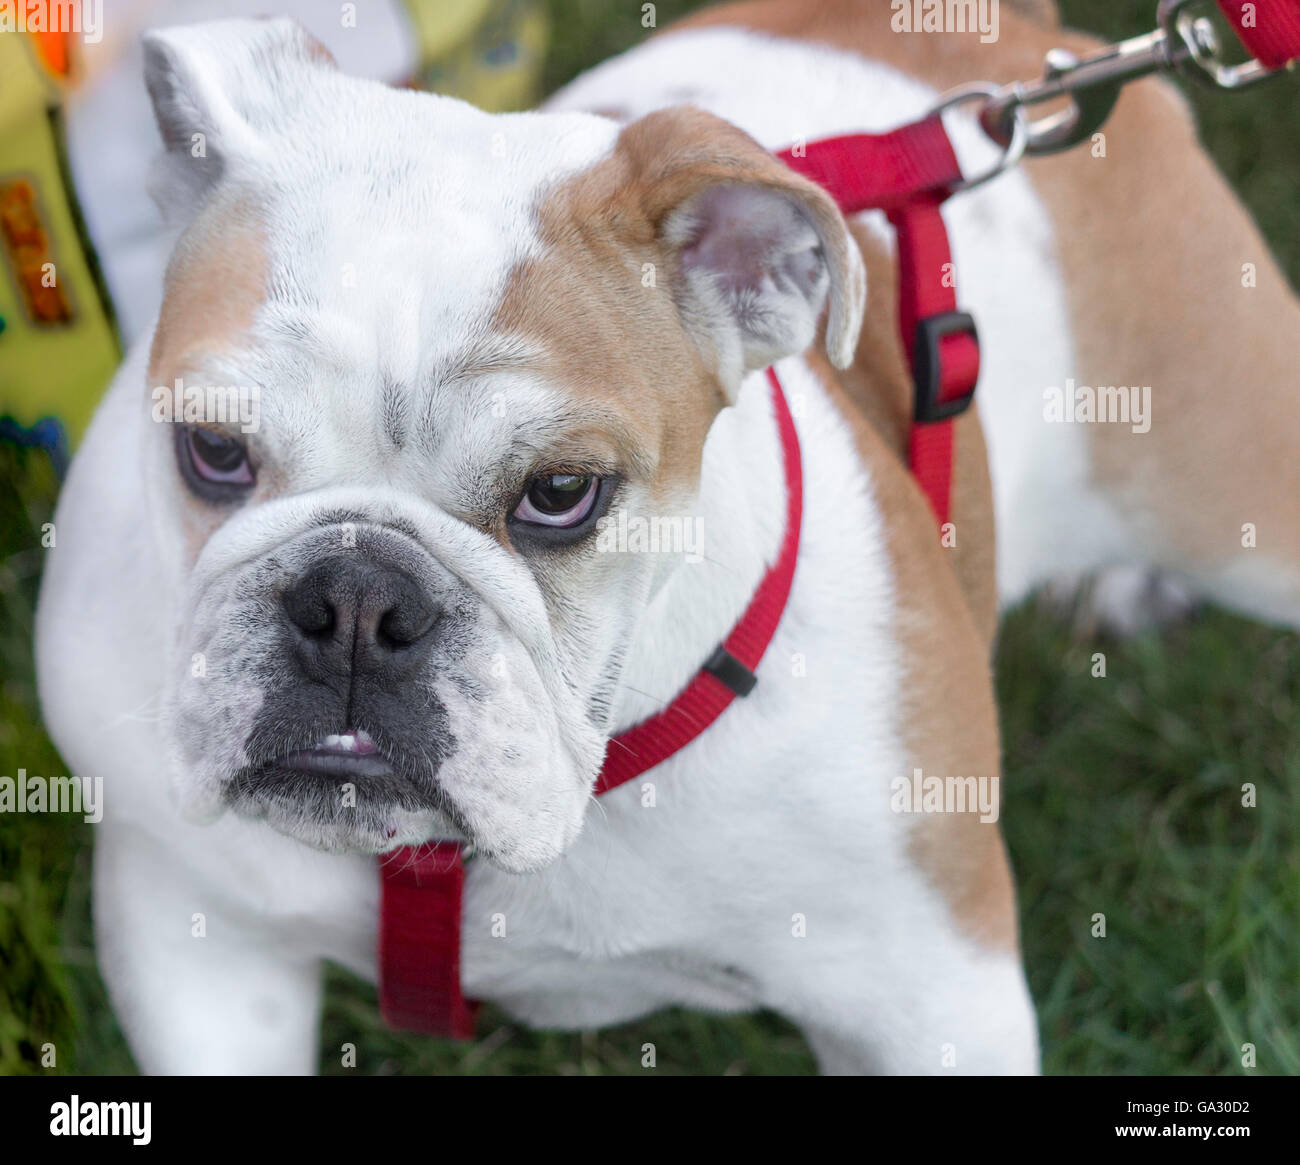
(1203, 59)
(1184, 43)
(1017, 139)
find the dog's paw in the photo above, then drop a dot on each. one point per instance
(1121, 601)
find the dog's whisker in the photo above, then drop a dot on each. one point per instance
(135, 715)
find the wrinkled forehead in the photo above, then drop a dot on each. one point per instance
(407, 240)
(430, 286)
(379, 238)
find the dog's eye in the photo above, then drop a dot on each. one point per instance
(214, 458)
(558, 500)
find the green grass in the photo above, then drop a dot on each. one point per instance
(1123, 794)
(1125, 799)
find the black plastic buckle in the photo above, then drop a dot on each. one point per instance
(926, 366)
(726, 667)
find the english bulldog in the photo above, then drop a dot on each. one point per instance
(477, 341)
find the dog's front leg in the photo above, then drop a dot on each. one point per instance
(197, 992)
(965, 1013)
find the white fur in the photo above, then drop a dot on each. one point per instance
(691, 901)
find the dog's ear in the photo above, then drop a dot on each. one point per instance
(219, 91)
(757, 250)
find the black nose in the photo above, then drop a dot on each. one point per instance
(353, 613)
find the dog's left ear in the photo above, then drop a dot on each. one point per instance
(221, 91)
(758, 251)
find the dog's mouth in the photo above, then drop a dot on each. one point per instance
(373, 790)
(342, 789)
(347, 754)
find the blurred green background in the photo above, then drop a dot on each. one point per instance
(1121, 796)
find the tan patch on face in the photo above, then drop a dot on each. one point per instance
(606, 337)
(216, 284)
(600, 302)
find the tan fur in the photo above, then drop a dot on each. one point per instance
(617, 344)
(1153, 244)
(878, 384)
(950, 711)
(216, 283)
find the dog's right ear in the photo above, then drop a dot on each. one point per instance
(220, 92)
(756, 252)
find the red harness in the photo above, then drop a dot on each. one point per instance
(907, 173)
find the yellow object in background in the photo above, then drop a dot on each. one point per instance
(58, 345)
(487, 52)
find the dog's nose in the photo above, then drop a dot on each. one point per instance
(352, 611)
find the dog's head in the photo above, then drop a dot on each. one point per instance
(445, 344)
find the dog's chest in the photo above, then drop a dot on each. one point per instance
(685, 885)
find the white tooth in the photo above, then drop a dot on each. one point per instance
(348, 743)
(332, 741)
(364, 738)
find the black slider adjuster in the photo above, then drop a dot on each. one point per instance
(927, 366)
(726, 667)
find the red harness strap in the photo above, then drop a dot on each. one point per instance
(907, 173)
(421, 887)
(1269, 29)
(419, 941)
(730, 671)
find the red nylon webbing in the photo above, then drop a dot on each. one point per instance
(908, 173)
(705, 698)
(1269, 29)
(419, 941)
